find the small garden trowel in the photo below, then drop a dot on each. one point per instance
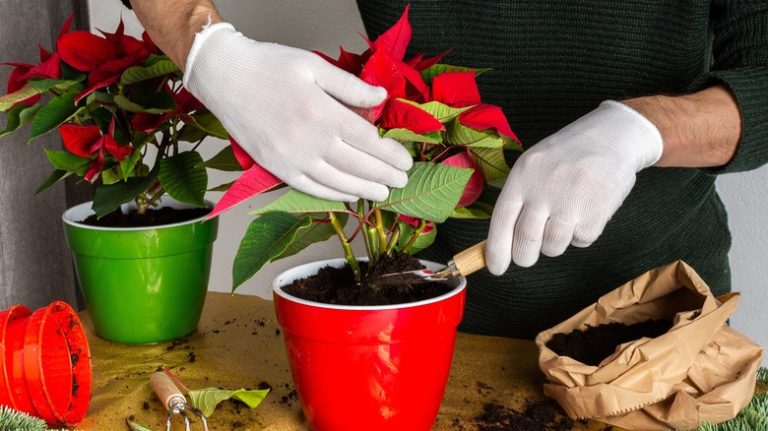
(463, 263)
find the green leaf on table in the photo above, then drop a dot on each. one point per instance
(441, 111)
(109, 198)
(133, 426)
(160, 104)
(423, 241)
(208, 123)
(66, 161)
(492, 165)
(405, 135)
(207, 399)
(221, 187)
(308, 235)
(56, 111)
(224, 160)
(432, 192)
(44, 85)
(184, 177)
(429, 73)
(7, 101)
(136, 74)
(17, 117)
(297, 202)
(267, 238)
(56, 176)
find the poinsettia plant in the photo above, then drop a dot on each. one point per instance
(113, 98)
(436, 112)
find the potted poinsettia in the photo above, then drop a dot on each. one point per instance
(365, 353)
(142, 247)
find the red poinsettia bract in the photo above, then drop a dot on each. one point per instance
(88, 142)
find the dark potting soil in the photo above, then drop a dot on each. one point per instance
(596, 343)
(538, 416)
(337, 285)
(152, 217)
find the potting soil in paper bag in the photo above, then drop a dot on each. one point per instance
(698, 370)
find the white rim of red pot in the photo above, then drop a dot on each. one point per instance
(311, 268)
(82, 211)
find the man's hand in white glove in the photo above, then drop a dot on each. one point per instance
(564, 189)
(286, 108)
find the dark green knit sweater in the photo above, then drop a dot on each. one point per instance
(555, 60)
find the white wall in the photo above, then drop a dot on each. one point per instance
(322, 26)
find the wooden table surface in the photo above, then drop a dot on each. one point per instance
(238, 345)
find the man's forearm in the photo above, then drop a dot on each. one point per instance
(172, 24)
(699, 130)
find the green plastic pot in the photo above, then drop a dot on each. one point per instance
(142, 285)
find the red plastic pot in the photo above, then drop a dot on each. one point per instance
(47, 363)
(373, 368)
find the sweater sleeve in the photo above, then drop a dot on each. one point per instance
(740, 62)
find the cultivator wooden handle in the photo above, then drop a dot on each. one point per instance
(470, 260)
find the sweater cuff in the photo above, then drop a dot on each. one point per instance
(749, 86)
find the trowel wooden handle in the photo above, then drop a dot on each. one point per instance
(165, 389)
(471, 259)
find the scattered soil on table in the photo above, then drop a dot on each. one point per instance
(337, 285)
(538, 416)
(596, 343)
(153, 217)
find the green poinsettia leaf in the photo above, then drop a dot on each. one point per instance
(492, 165)
(184, 177)
(53, 114)
(207, 399)
(470, 213)
(434, 70)
(432, 192)
(441, 111)
(17, 117)
(129, 164)
(224, 160)
(111, 175)
(267, 238)
(308, 235)
(159, 68)
(66, 161)
(56, 176)
(109, 198)
(422, 241)
(405, 135)
(459, 134)
(160, 107)
(44, 85)
(7, 101)
(222, 187)
(208, 123)
(297, 202)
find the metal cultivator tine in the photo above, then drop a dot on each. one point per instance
(175, 402)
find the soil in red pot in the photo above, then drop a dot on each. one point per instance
(337, 285)
(152, 217)
(592, 345)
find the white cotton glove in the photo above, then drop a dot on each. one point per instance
(286, 107)
(565, 188)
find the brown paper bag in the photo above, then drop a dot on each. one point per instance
(700, 369)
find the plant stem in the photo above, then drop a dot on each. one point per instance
(393, 240)
(414, 237)
(348, 254)
(380, 229)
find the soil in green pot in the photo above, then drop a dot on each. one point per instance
(152, 217)
(337, 285)
(596, 343)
